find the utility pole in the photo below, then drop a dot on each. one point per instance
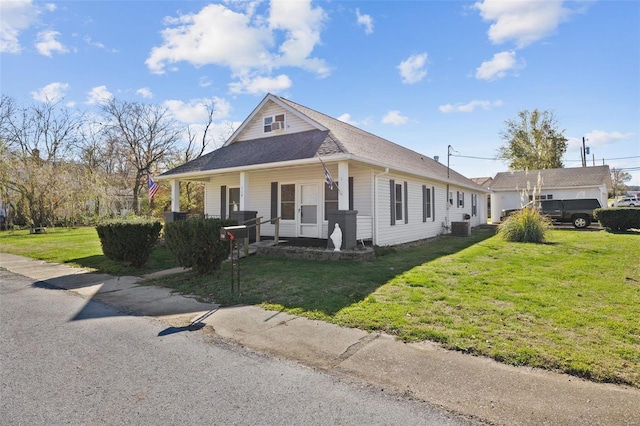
(584, 153)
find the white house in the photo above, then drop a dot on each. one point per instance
(274, 165)
(511, 190)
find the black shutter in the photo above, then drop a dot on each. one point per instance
(274, 200)
(351, 193)
(424, 203)
(392, 196)
(433, 203)
(223, 202)
(406, 203)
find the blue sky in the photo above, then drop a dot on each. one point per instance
(423, 74)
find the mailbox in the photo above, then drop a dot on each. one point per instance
(233, 232)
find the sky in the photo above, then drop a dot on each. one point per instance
(427, 75)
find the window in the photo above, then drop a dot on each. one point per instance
(234, 200)
(474, 204)
(541, 197)
(398, 201)
(460, 198)
(426, 203)
(273, 123)
(288, 201)
(330, 199)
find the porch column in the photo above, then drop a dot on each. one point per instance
(244, 190)
(175, 195)
(343, 184)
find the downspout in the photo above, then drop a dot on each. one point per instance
(375, 204)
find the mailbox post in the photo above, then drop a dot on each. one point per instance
(233, 234)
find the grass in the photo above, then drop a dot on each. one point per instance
(569, 305)
(77, 247)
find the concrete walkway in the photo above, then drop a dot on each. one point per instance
(473, 386)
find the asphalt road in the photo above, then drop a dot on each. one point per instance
(66, 360)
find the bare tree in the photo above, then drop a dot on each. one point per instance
(37, 141)
(619, 179)
(148, 135)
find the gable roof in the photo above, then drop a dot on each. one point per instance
(578, 177)
(331, 137)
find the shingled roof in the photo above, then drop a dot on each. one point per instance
(553, 178)
(332, 137)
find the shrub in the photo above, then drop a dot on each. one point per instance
(195, 243)
(130, 241)
(525, 226)
(618, 218)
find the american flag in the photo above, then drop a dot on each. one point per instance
(153, 188)
(328, 177)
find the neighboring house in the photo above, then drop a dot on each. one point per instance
(511, 190)
(273, 165)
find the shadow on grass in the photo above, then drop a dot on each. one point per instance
(159, 260)
(319, 289)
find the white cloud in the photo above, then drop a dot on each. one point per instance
(469, 107)
(47, 43)
(366, 21)
(197, 110)
(302, 25)
(243, 41)
(15, 16)
(145, 92)
(51, 92)
(346, 118)
(599, 138)
(524, 21)
(394, 117)
(412, 69)
(98, 95)
(258, 85)
(498, 66)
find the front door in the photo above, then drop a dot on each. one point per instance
(308, 224)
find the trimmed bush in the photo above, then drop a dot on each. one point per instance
(129, 241)
(618, 218)
(195, 243)
(525, 226)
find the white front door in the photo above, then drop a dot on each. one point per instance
(308, 221)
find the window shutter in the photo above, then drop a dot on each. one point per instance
(274, 200)
(433, 203)
(392, 196)
(350, 192)
(223, 202)
(424, 203)
(406, 202)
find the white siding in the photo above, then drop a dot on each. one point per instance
(416, 229)
(255, 130)
(368, 199)
(259, 192)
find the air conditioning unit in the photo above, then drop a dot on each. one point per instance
(277, 125)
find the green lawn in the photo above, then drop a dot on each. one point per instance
(570, 305)
(76, 247)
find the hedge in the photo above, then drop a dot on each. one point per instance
(195, 243)
(618, 218)
(130, 241)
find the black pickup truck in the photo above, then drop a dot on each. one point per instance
(577, 211)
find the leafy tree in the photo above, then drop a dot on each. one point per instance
(533, 141)
(618, 181)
